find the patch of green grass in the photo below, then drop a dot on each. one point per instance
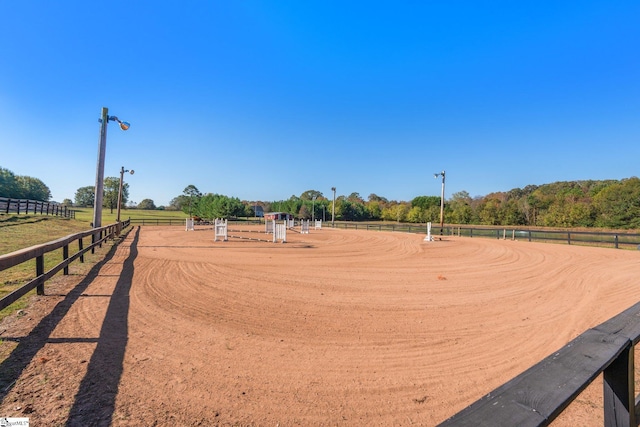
(23, 231)
(108, 217)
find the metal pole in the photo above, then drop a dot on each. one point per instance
(102, 147)
(120, 194)
(333, 211)
(442, 207)
(313, 209)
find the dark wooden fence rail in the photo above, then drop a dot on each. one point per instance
(609, 239)
(98, 236)
(23, 206)
(538, 395)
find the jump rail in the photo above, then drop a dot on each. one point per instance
(538, 395)
(24, 206)
(99, 235)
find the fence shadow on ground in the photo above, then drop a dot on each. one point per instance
(95, 401)
(13, 366)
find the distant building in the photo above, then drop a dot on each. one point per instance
(258, 211)
(278, 215)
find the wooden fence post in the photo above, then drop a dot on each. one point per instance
(80, 247)
(39, 272)
(65, 256)
(619, 393)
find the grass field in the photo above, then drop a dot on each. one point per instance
(22, 231)
(108, 217)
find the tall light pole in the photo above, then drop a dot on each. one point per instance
(333, 211)
(313, 209)
(102, 147)
(436, 175)
(122, 171)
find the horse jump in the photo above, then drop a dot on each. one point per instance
(279, 232)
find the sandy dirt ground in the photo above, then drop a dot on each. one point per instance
(334, 327)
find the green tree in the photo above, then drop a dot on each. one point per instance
(352, 211)
(416, 215)
(309, 194)
(111, 191)
(375, 198)
(146, 204)
(510, 213)
(32, 188)
(85, 196)
(355, 198)
(425, 202)
(192, 198)
(460, 211)
(8, 185)
(219, 206)
(397, 212)
(618, 205)
(374, 209)
(489, 211)
(304, 212)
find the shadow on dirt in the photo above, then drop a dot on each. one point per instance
(95, 401)
(96, 397)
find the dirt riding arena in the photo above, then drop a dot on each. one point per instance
(334, 327)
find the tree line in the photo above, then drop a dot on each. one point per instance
(566, 204)
(22, 187)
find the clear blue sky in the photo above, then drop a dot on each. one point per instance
(262, 100)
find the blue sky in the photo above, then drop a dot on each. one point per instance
(262, 100)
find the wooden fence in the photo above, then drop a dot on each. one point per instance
(594, 238)
(538, 395)
(23, 206)
(37, 252)
(534, 398)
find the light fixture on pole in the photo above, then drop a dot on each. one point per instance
(333, 211)
(102, 147)
(436, 175)
(122, 172)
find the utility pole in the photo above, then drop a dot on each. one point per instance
(436, 175)
(333, 211)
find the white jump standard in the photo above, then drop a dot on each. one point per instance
(221, 230)
(429, 237)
